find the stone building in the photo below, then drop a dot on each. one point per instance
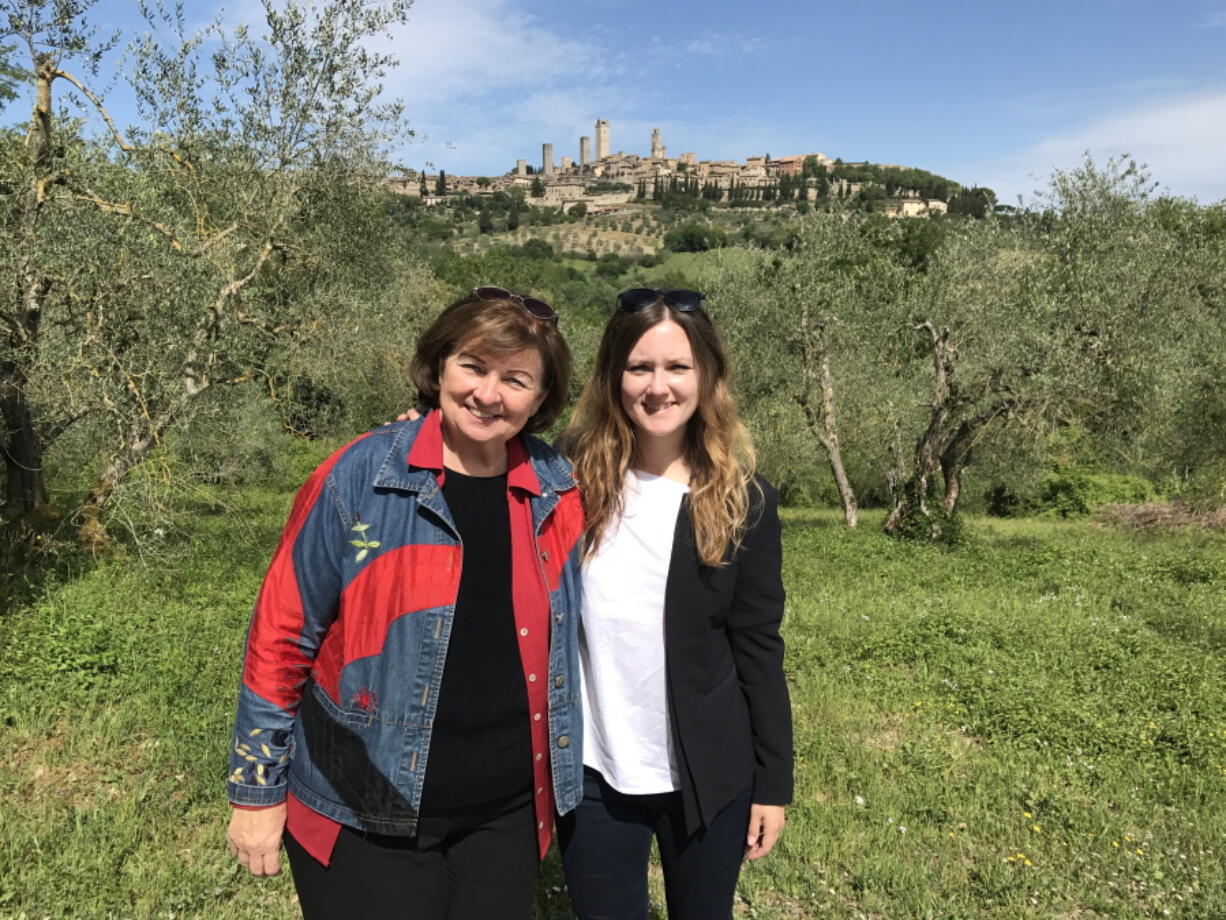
(602, 138)
(657, 146)
(568, 185)
(794, 165)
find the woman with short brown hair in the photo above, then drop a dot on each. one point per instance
(408, 715)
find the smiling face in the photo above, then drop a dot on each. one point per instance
(660, 384)
(487, 399)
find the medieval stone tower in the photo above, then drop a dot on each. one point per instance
(585, 150)
(602, 138)
(547, 159)
(658, 151)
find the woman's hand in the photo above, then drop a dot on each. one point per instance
(765, 823)
(254, 838)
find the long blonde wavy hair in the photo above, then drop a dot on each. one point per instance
(600, 440)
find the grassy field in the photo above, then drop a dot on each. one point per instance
(1030, 726)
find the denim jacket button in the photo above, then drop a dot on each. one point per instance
(564, 741)
(559, 681)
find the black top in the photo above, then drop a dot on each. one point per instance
(728, 698)
(481, 745)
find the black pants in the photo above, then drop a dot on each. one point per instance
(606, 842)
(459, 867)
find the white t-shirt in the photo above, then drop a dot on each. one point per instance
(621, 642)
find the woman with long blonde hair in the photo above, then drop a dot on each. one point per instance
(687, 722)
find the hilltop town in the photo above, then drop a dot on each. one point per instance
(603, 180)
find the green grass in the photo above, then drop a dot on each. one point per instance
(699, 267)
(1030, 726)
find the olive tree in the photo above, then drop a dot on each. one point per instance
(800, 324)
(148, 262)
(1087, 313)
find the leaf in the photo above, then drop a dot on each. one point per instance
(373, 544)
(360, 528)
(267, 752)
(357, 542)
(254, 732)
(362, 554)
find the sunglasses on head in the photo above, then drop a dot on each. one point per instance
(636, 299)
(533, 305)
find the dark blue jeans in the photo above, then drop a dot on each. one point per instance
(606, 842)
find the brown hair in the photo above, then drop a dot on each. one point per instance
(496, 326)
(600, 439)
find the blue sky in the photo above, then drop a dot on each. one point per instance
(984, 92)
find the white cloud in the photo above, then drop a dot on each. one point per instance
(723, 43)
(485, 82)
(460, 48)
(1180, 139)
(455, 49)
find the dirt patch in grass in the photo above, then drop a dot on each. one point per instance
(886, 736)
(777, 904)
(1160, 515)
(50, 767)
(959, 740)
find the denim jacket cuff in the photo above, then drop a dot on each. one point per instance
(242, 794)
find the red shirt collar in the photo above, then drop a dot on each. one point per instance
(427, 453)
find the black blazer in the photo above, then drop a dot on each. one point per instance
(727, 697)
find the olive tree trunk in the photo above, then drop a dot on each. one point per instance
(816, 399)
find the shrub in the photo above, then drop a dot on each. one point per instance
(537, 249)
(694, 237)
(1078, 491)
(611, 265)
(1206, 487)
(1003, 501)
(937, 526)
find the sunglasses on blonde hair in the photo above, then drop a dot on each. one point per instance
(538, 308)
(636, 299)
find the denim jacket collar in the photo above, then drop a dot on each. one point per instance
(552, 474)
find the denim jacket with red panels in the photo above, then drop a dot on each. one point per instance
(349, 636)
